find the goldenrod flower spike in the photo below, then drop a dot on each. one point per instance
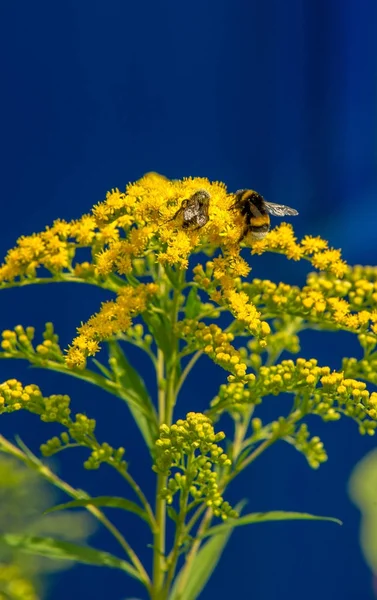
(169, 254)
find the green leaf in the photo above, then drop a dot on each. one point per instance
(132, 281)
(202, 566)
(276, 515)
(59, 550)
(172, 513)
(160, 329)
(102, 501)
(134, 389)
(105, 372)
(193, 304)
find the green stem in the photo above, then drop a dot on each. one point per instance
(166, 378)
(159, 540)
(187, 370)
(240, 432)
(173, 366)
(161, 385)
(197, 514)
(193, 552)
(160, 512)
(112, 387)
(178, 539)
(106, 284)
(257, 452)
(139, 493)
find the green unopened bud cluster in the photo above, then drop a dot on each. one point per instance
(203, 276)
(138, 335)
(56, 409)
(282, 338)
(317, 390)
(85, 270)
(190, 447)
(14, 396)
(235, 397)
(294, 433)
(105, 453)
(312, 448)
(214, 342)
(18, 343)
(359, 285)
(366, 368)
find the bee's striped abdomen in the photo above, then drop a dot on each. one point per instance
(251, 206)
(258, 218)
(255, 212)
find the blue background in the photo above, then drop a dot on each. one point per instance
(278, 96)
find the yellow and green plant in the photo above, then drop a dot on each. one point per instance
(183, 294)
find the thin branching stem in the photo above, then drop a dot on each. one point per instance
(32, 461)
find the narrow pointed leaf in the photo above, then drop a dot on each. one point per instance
(160, 331)
(193, 304)
(276, 515)
(134, 388)
(202, 566)
(102, 501)
(105, 372)
(59, 550)
(172, 513)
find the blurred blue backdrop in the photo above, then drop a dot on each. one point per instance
(278, 96)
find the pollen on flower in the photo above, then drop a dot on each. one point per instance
(312, 245)
(114, 317)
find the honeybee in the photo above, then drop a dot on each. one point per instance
(194, 210)
(254, 208)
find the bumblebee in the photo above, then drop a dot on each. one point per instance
(255, 210)
(194, 211)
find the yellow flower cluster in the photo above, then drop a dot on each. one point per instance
(325, 300)
(234, 396)
(14, 396)
(148, 212)
(114, 317)
(283, 338)
(358, 291)
(190, 447)
(214, 342)
(315, 249)
(317, 390)
(14, 585)
(50, 249)
(132, 231)
(365, 368)
(146, 218)
(222, 287)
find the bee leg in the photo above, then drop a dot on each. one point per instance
(183, 206)
(237, 205)
(174, 216)
(244, 233)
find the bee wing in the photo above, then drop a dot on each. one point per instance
(279, 210)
